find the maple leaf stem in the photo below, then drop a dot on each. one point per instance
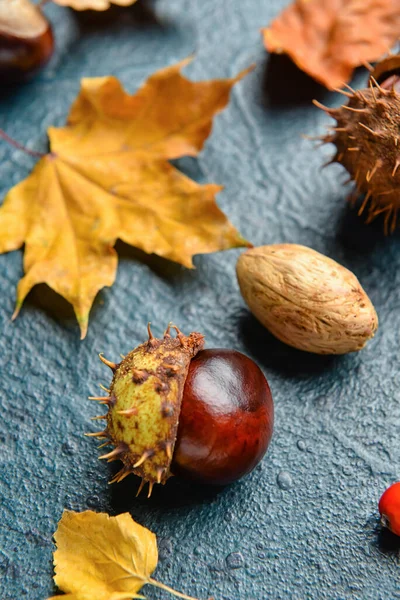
(162, 586)
(19, 146)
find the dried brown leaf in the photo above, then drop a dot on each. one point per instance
(328, 39)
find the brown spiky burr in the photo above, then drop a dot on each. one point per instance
(367, 140)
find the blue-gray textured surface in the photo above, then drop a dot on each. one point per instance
(304, 524)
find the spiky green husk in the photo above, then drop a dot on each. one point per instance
(144, 403)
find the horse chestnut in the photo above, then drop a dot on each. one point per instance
(26, 40)
(226, 418)
(174, 408)
(387, 73)
(366, 140)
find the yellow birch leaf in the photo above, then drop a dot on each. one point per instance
(108, 177)
(93, 4)
(99, 557)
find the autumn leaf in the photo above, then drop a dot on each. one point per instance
(329, 38)
(93, 4)
(99, 557)
(108, 177)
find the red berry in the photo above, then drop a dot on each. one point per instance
(389, 507)
(26, 40)
(226, 418)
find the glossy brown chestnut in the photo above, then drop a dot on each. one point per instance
(391, 82)
(226, 418)
(26, 40)
(387, 73)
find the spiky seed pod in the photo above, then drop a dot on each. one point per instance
(144, 403)
(367, 140)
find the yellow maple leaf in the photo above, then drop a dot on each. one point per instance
(108, 177)
(93, 4)
(99, 557)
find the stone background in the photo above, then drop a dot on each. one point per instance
(304, 524)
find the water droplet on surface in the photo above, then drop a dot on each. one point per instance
(235, 560)
(68, 447)
(164, 548)
(284, 480)
(93, 501)
(301, 445)
(229, 516)
(197, 551)
(322, 402)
